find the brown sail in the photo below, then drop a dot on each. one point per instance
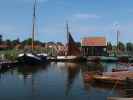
(72, 52)
(72, 49)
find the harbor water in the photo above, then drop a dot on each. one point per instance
(55, 81)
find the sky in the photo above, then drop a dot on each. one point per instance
(85, 17)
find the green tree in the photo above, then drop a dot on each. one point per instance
(1, 39)
(109, 46)
(8, 42)
(129, 47)
(27, 41)
(15, 42)
(121, 46)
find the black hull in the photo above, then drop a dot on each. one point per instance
(30, 60)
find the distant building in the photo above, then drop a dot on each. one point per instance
(4, 47)
(61, 49)
(29, 47)
(55, 49)
(94, 46)
(18, 46)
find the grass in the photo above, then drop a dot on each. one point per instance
(10, 54)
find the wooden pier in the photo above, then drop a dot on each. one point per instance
(6, 64)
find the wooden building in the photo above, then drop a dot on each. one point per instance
(94, 46)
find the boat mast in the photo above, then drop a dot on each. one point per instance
(67, 33)
(33, 23)
(118, 33)
(67, 30)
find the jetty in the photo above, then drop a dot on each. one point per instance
(110, 59)
(6, 64)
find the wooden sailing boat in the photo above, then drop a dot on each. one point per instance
(31, 57)
(73, 53)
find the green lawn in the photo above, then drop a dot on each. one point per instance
(9, 54)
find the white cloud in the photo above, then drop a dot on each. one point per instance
(86, 16)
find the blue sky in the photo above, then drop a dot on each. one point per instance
(86, 18)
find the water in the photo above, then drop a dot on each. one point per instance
(54, 81)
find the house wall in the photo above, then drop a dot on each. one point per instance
(94, 50)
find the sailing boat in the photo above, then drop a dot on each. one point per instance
(72, 53)
(32, 58)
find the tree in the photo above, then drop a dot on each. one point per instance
(129, 46)
(15, 42)
(27, 41)
(109, 46)
(8, 42)
(37, 42)
(1, 40)
(121, 46)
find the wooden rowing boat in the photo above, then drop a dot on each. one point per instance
(113, 78)
(118, 98)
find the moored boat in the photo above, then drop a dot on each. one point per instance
(119, 98)
(43, 56)
(32, 57)
(93, 59)
(111, 78)
(29, 58)
(73, 53)
(108, 80)
(131, 59)
(108, 59)
(70, 58)
(128, 67)
(123, 59)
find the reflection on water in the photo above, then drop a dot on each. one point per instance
(27, 71)
(60, 81)
(72, 72)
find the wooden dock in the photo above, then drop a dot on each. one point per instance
(6, 64)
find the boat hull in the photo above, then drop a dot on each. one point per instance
(111, 78)
(26, 59)
(70, 59)
(108, 80)
(124, 59)
(93, 59)
(109, 59)
(114, 78)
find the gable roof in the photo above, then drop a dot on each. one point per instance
(93, 41)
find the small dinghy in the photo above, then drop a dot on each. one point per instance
(118, 98)
(118, 78)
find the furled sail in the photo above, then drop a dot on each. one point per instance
(72, 49)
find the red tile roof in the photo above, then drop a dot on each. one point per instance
(4, 46)
(93, 41)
